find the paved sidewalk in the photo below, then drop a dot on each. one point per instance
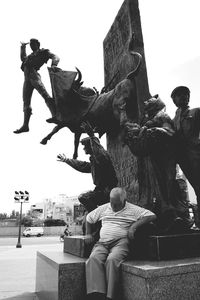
(18, 270)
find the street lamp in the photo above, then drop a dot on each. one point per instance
(20, 197)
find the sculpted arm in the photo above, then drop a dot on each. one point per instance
(23, 51)
(81, 166)
(55, 59)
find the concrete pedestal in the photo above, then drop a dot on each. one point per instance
(77, 245)
(60, 276)
(171, 280)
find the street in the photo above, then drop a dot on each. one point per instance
(18, 265)
(12, 241)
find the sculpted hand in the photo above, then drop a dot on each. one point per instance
(61, 157)
(24, 44)
(87, 128)
(55, 69)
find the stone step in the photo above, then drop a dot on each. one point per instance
(77, 245)
(161, 280)
(60, 276)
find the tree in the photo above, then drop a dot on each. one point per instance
(3, 216)
(27, 221)
(54, 222)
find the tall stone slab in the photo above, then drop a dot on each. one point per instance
(117, 64)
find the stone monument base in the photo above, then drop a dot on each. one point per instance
(161, 280)
(76, 245)
(61, 276)
(154, 247)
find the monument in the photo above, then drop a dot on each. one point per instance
(140, 279)
(125, 33)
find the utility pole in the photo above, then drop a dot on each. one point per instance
(20, 197)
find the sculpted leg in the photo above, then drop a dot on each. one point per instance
(27, 94)
(39, 86)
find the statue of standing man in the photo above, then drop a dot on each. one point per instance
(187, 126)
(32, 79)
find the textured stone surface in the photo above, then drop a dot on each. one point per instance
(166, 247)
(178, 279)
(60, 276)
(117, 64)
(174, 246)
(76, 245)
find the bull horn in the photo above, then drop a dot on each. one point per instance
(78, 80)
(134, 73)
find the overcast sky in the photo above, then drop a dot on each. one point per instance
(74, 30)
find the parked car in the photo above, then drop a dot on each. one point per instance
(33, 231)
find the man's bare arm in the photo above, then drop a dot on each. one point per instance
(138, 223)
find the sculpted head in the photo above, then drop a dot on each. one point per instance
(86, 145)
(117, 198)
(181, 96)
(34, 44)
(153, 105)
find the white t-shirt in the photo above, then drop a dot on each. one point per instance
(115, 225)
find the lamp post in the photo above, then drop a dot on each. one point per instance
(20, 197)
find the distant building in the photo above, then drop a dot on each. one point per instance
(38, 210)
(59, 207)
(78, 212)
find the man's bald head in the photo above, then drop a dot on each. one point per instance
(117, 198)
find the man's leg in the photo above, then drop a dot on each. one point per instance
(39, 86)
(117, 255)
(95, 270)
(27, 94)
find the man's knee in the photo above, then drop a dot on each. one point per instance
(93, 260)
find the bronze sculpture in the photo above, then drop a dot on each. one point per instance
(32, 80)
(101, 168)
(102, 111)
(153, 143)
(187, 126)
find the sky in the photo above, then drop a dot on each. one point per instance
(74, 30)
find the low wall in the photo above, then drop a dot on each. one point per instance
(8, 231)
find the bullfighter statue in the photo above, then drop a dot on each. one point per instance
(32, 79)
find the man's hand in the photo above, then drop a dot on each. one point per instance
(87, 128)
(89, 239)
(62, 157)
(131, 232)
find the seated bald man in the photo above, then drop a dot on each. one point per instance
(120, 219)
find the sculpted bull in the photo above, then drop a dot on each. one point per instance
(105, 112)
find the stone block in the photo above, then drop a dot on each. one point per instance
(76, 245)
(167, 247)
(60, 276)
(145, 280)
(174, 246)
